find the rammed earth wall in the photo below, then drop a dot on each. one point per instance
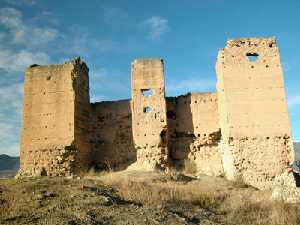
(242, 130)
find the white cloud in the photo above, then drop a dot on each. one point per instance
(105, 81)
(9, 137)
(83, 43)
(7, 129)
(19, 40)
(77, 41)
(10, 17)
(10, 117)
(11, 150)
(11, 93)
(156, 26)
(21, 2)
(11, 99)
(11, 61)
(22, 32)
(294, 100)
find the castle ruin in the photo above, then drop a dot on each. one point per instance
(241, 131)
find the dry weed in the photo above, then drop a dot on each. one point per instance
(242, 205)
(190, 167)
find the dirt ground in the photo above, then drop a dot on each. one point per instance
(137, 198)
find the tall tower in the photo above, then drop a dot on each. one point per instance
(54, 136)
(149, 113)
(252, 105)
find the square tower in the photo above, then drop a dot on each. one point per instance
(149, 113)
(56, 110)
(252, 105)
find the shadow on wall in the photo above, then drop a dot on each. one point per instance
(181, 129)
(111, 135)
(112, 139)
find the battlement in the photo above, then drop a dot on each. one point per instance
(235, 131)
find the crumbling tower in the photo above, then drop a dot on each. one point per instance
(149, 113)
(252, 105)
(55, 129)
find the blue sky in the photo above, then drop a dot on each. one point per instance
(108, 35)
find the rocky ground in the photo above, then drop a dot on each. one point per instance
(137, 198)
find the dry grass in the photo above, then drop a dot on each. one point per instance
(93, 172)
(25, 197)
(190, 167)
(60, 201)
(235, 202)
(239, 183)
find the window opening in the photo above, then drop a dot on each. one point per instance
(163, 136)
(147, 92)
(252, 57)
(147, 109)
(171, 115)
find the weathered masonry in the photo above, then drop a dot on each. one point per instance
(56, 110)
(149, 113)
(256, 136)
(241, 131)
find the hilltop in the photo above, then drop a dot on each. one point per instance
(139, 198)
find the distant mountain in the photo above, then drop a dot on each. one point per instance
(297, 146)
(8, 165)
(297, 150)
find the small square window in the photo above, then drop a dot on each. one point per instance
(252, 57)
(147, 92)
(147, 109)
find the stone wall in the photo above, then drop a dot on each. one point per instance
(52, 95)
(111, 135)
(82, 116)
(256, 135)
(243, 130)
(194, 132)
(149, 114)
